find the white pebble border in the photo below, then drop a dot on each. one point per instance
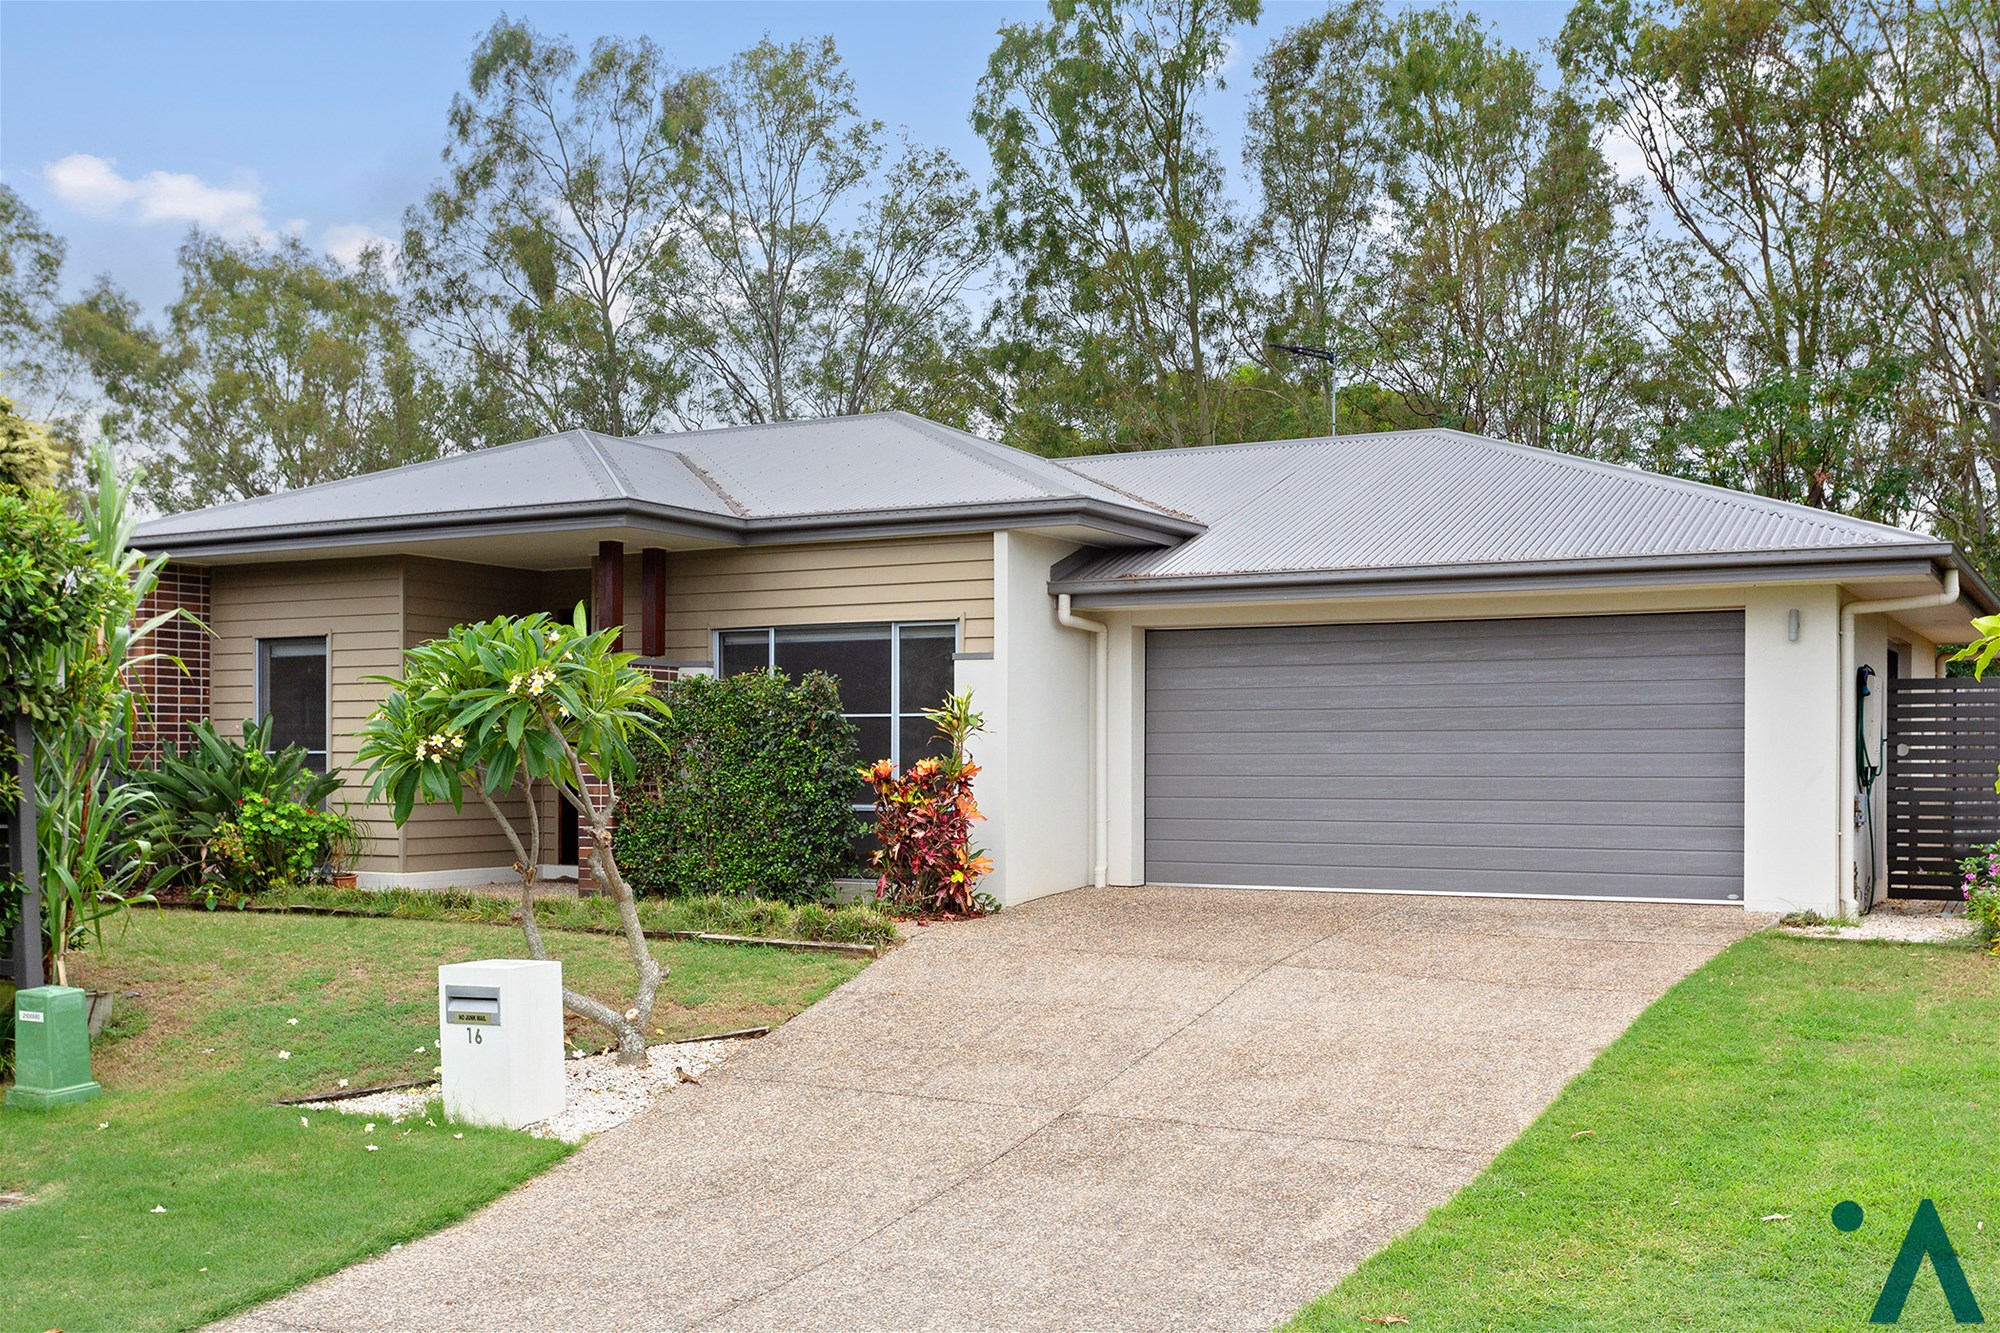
(1911, 928)
(602, 1093)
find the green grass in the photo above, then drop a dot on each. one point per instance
(719, 914)
(1785, 1076)
(257, 1202)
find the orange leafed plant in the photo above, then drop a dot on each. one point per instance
(924, 817)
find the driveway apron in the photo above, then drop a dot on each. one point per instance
(1141, 1108)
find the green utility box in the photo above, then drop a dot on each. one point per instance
(51, 1049)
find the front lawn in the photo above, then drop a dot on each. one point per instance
(1782, 1078)
(259, 1198)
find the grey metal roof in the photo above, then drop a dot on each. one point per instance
(887, 468)
(1426, 501)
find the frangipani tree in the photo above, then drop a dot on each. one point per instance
(524, 702)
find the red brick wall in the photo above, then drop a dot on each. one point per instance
(585, 881)
(174, 697)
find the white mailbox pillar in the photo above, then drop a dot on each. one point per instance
(502, 1045)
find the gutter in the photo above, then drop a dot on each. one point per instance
(1100, 727)
(1849, 812)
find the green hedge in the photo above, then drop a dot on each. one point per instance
(748, 790)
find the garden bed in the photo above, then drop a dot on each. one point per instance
(719, 918)
(220, 1015)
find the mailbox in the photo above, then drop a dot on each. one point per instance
(501, 1028)
(472, 1004)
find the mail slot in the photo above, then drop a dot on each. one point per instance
(472, 1004)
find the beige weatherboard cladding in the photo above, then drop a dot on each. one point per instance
(834, 583)
(369, 610)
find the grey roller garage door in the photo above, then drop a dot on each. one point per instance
(1584, 756)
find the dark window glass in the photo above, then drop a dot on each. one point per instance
(926, 665)
(858, 656)
(745, 650)
(293, 681)
(871, 740)
(920, 739)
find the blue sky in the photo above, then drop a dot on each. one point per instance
(122, 123)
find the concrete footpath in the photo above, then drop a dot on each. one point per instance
(1126, 1108)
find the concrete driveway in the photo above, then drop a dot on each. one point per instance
(1127, 1108)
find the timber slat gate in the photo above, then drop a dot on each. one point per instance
(1943, 756)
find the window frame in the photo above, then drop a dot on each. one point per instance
(262, 698)
(895, 628)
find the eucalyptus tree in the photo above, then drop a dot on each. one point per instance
(1125, 310)
(1497, 300)
(1927, 135)
(547, 260)
(51, 382)
(821, 282)
(1772, 334)
(275, 368)
(1317, 148)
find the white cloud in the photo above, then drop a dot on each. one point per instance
(93, 185)
(346, 240)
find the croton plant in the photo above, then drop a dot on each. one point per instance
(924, 817)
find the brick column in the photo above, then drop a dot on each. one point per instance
(172, 697)
(586, 885)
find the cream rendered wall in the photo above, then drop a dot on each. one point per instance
(1036, 694)
(1791, 704)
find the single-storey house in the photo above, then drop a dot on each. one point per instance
(1420, 661)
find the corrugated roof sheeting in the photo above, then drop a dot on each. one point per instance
(1411, 499)
(878, 464)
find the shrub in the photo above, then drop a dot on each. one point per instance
(926, 860)
(272, 842)
(1981, 887)
(747, 790)
(198, 792)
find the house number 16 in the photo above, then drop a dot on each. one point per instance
(474, 1037)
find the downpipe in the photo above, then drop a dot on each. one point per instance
(1945, 596)
(1100, 737)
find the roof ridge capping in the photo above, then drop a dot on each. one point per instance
(1016, 462)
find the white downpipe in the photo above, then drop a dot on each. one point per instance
(1100, 737)
(1945, 596)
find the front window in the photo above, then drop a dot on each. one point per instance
(888, 674)
(292, 692)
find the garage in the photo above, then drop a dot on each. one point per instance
(1581, 757)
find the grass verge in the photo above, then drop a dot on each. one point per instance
(260, 1199)
(1687, 1178)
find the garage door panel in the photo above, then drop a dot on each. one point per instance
(1348, 747)
(1592, 756)
(1645, 670)
(1525, 883)
(1223, 697)
(1527, 720)
(1569, 860)
(1449, 795)
(1397, 832)
(1351, 642)
(1255, 767)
